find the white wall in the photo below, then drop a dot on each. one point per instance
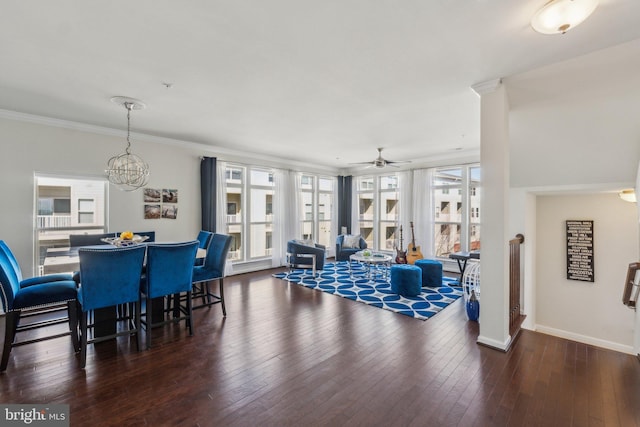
(27, 148)
(575, 123)
(572, 130)
(584, 311)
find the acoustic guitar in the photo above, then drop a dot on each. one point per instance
(401, 256)
(413, 251)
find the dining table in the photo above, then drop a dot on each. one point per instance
(67, 260)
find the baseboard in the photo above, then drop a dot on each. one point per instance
(497, 345)
(609, 345)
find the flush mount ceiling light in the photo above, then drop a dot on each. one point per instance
(128, 171)
(559, 16)
(628, 195)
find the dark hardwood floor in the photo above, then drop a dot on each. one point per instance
(290, 356)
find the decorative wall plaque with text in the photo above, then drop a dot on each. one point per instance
(580, 250)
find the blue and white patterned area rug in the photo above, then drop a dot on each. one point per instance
(356, 285)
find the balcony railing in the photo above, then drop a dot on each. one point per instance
(54, 221)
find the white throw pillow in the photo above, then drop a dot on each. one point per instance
(351, 242)
(305, 242)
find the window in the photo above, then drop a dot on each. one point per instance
(456, 186)
(234, 175)
(316, 198)
(235, 226)
(66, 206)
(325, 210)
(260, 206)
(378, 203)
(474, 203)
(251, 227)
(86, 209)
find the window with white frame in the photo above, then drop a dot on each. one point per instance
(261, 208)
(378, 210)
(474, 203)
(316, 210)
(235, 182)
(66, 206)
(86, 208)
(456, 201)
(249, 212)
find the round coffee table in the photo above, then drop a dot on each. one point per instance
(370, 263)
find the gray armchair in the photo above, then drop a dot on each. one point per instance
(343, 253)
(301, 255)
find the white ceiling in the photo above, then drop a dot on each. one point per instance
(302, 80)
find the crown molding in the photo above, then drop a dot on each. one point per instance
(484, 88)
(217, 151)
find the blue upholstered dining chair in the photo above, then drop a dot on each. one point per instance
(26, 298)
(109, 277)
(204, 238)
(212, 269)
(169, 272)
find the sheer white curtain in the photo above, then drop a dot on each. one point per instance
(423, 211)
(286, 223)
(334, 218)
(221, 203)
(355, 207)
(407, 212)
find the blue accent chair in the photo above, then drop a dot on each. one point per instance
(109, 277)
(25, 298)
(298, 255)
(169, 272)
(342, 253)
(212, 269)
(204, 238)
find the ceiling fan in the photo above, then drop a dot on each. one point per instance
(381, 162)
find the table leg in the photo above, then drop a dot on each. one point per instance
(462, 266)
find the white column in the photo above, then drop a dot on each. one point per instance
(494, 210)
(636, 332)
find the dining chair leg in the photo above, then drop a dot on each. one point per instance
(204, 291)
(72, 310)
(176, 304)
(149, 315)
(11, 326)
(208, 291)
(189, 318)
(224, 310)
(83, 339)
(138, 326)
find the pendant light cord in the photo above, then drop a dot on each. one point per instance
(129, 106)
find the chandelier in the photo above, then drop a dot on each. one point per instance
(128, 171)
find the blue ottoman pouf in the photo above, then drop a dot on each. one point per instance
(406, 280)
(431, 272)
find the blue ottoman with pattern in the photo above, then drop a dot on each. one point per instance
(431, 272)
(406, 280)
